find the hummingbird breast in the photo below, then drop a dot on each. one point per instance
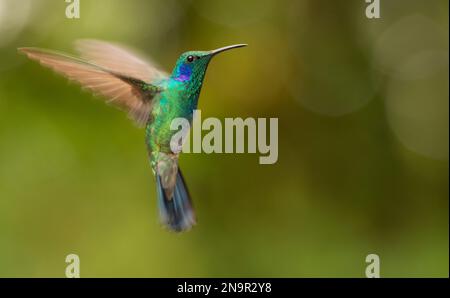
(176, 101)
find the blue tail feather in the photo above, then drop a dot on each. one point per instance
(177, 212)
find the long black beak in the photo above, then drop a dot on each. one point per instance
(219, 50)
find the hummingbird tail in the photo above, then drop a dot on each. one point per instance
(176, 213)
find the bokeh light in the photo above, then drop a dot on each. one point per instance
(412, 48)
(420, 118)
(13, 17)
(331, 67)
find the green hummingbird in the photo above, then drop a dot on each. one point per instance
(152, 99)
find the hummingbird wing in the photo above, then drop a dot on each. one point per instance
(122, 90)
(119, 58)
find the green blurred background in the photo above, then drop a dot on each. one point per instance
(363, 142)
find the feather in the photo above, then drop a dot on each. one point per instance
(120, 87)
(119, 58)
(176, 212)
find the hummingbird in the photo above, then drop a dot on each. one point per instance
(151, 97)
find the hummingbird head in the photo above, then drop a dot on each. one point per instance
(191, 66)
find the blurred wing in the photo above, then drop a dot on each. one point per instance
(127, 93)
(120, 59)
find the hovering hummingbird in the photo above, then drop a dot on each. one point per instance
(152, 99)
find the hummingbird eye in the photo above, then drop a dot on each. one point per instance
(190, 58)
